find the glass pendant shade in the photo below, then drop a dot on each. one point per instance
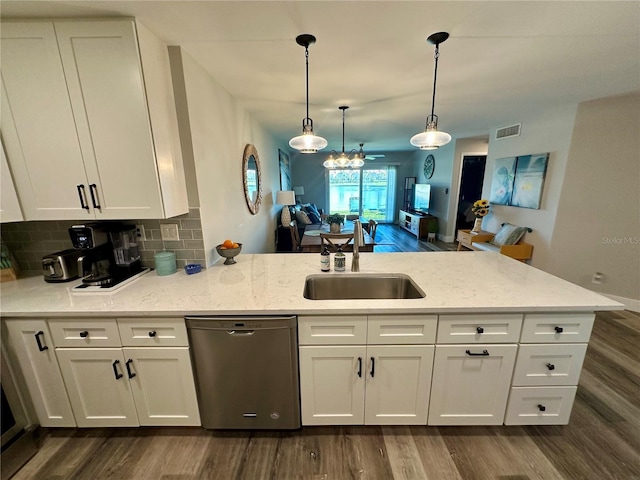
(343, 160)
(431, 138)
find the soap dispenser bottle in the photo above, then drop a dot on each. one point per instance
(340, 261)
(325, 260)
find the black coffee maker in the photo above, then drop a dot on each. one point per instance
(109, 255)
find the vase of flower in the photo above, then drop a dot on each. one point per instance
(335, 220)
(480, 208)
(334, 227)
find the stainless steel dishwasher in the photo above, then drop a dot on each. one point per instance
(246, 371)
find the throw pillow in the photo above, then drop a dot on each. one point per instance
(302, 217)
(313, 216)
(285, 217)
(508, 235)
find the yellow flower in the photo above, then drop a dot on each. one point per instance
(480, 208)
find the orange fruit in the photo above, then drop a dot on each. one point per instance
(235, 245)
(222, 247)
(227, 244)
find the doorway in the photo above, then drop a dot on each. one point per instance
(471, 181)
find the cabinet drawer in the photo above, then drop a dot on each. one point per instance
(540, 405)
(558, 364)
(332, 330)
(152, 332)
(85, 333)
(402, 329)
(499, 328)
(557, 328)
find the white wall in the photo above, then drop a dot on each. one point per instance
(548, 133)
(598, 219)
(219, 132)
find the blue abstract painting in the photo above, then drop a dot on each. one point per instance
(504, 171)
(529, 179)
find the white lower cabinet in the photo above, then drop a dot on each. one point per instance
(364, 383)
(471, 384)
(30, 345)
(540, 405)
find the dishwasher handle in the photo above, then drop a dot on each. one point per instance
(240, 332)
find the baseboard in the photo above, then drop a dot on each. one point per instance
(629, 303)
(447, 239)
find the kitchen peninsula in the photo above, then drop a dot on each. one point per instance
(513, 334)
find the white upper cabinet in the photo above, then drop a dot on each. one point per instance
(9, 205)
(88, 136)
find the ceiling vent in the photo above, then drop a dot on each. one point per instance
(510, 131)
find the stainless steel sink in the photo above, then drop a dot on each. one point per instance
(361, 287)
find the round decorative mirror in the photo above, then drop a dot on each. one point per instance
(251, 178)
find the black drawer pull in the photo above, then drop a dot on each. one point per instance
(480, 330)
(558, 329)
(373, 367)
(483, 354)
(93, 190)
(129, 372)
(360, 367)
(84, 334)
(542, 408)
(551, 366)
(82, 196)
(115, 370)
(41, 347)
(152, 333)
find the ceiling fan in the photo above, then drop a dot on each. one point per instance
(365, 156)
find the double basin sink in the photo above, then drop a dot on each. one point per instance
(347, 286)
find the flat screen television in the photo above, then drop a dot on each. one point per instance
(421, 197)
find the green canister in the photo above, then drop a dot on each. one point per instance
(165, 263)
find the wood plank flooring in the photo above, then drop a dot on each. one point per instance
(392, 238)
(601, 442)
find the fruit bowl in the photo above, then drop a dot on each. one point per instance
(228, 253)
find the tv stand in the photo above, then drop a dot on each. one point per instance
(416, 223)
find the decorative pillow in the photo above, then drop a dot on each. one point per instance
(285, 217)
(508, 235)
(302, 217)
(313, 216)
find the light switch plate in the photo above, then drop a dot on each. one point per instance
(169, 231)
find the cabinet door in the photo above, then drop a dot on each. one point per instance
(30, 342)
(104, 77)
(471, 384)
(398, 384)
(162, 385)
(9, 205)
(98, 386)
(38, 126)
(332, 385)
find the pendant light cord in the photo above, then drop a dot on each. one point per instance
(343, 110)
(306, 56)
(435, 77)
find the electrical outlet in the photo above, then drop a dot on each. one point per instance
(140, 233)
(169, 231)
(598, 278)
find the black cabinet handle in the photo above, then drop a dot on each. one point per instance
(41, 347)
(84, 334)
(360, 367)
(82, 196)
(542, 408)
(129, 372)
(551, 366)
(483, 354)
(373, 367)
(152, 333)
(93, 190)
(480, 330)
(559, 329)
(115, 370)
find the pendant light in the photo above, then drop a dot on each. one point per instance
(351, 160)
(307, 142)
(431, 138)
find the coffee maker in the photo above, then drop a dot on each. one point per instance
(109, 253)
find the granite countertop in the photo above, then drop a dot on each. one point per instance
(454, 282)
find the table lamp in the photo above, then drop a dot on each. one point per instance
(286, 198)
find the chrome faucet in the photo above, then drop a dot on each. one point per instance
(357, 235)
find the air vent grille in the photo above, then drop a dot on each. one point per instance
(510, 131)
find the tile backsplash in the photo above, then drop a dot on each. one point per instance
(30, 241)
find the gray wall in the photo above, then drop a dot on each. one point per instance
(598, 221)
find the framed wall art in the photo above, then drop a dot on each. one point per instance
(518, 181)
(285, 170)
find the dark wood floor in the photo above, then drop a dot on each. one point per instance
(392, 238)
(601, 442)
